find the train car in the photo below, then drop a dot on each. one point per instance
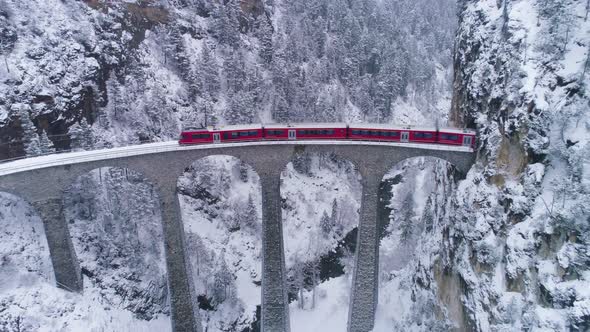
(240, 133)
(422, 135)
(452, 136)
(195, 136)
(332, 131)
(305, 131)
(374, 132)
(409, 134)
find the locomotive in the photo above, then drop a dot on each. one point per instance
(328, 131)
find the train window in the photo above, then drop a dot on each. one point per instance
(330, 132)
(253, 133)
(301, 132)
(364, 132)
(235, 135)
(200, 136)
(394, 134)
(449, 137)
(356, 132)
(225, 135)
(422, 135)
(276, 132)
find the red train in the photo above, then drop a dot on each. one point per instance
(331, 131)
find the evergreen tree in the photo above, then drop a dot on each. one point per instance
(406, 225)
(326, 224)
(31, 142)
(222, 283)
(234, 69)
(251, 214)
(240, 110)
(227, 24)
(209, 73)
(280, 109)
(264, 34)
(46, 144)
(81, 136)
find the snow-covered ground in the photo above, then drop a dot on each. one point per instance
(321, 201)
(221, 211)
(114, 220)
(29, 300)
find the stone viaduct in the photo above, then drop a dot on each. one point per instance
(43, 188)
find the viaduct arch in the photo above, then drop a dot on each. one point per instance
(43, 188)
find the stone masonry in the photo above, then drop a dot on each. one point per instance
(44, 189)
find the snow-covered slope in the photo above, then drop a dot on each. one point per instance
(221, 211)
(321, 200)
(98, 73)
(30, 301)
(504, 249)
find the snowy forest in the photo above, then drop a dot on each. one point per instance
(505, 247)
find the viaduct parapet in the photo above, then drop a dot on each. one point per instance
(44, 187)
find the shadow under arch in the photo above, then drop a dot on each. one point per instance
(414, 201)
(114, 220)
(321, 198)
(221, 206)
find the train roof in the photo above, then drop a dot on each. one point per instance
(409, 127)
(229, 127)
(330, 125)
(305, 125)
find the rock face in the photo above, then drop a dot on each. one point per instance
(516, 234)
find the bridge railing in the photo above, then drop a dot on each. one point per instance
(8, 149)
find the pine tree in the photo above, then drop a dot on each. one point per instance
(280, 109)
(240, 110)
(222, 282)
(326, 224)
(46, 144)
(264, 35)
(209, 71)
(81, 136)
(31, 143)
(406, 225)
(227, 25)
(235, 74)
(251, 214)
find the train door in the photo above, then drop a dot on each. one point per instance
(405, 136)
(292, 134)
(467, 140)
(216, 137)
